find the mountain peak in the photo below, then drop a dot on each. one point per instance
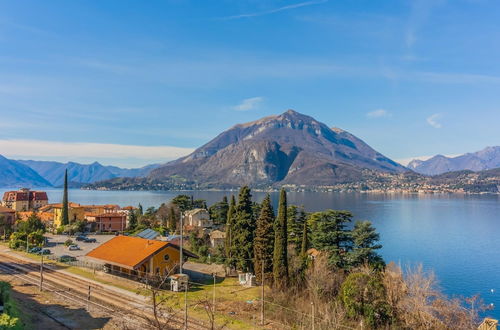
(290, 148)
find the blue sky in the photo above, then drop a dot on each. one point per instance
(96, 80)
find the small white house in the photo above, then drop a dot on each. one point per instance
(198, 218)
(247, 279)
(179, 282)
(217, 238)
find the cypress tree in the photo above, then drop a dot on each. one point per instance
(172, 223)
(65, 210)
(264, 239)
(243, 231)
(305, 240)
(228, 243)
(280, 255)
(296, 218)
(132, 222)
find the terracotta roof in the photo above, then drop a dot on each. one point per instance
(25, 195)
(6, 210)
(217, 234)
(129, 208)
(193, 212)
(44, 216)
(312, 252)
(70, 204)
(129, 251)
(103, 215)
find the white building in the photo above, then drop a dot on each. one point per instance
(197, 218)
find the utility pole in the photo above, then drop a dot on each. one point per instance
(186, 305)
(41, 275)
(182, 240)
(88, 300)
(213, 298)
(313, 316)
(262, 296)
(27, 243)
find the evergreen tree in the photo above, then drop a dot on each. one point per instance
(264, 239)
(296, 219)
(280, 255)
(65, 210)
(172, 219)
(329, 234)
(132, 221)
(243, 231)
(305, 239)
(365, 243)
(218, 211)
(228, 243)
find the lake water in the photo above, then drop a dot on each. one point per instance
(456, 236)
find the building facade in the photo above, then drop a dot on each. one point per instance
(198, 218)
(25, 200)
(110, 222)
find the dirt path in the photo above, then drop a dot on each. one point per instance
(46, 310)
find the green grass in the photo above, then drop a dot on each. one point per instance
(11, 311)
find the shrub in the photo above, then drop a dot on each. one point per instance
(68, 242)
(364, 295)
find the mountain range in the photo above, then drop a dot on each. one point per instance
(33, 173)
(286, 149)
(488, 158)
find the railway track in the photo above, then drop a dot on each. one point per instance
(76, 290)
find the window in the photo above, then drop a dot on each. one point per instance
(166, 257)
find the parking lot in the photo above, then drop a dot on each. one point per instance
(57, 248)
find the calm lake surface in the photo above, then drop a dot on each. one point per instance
(456, 236)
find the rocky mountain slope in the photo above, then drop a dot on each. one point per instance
(488, 158)
(290, 148)
(13, 174)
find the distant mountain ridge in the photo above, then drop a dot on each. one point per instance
(13, 173)
(290, 148)
(50, 173)
(486, 159)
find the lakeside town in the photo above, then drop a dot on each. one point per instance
(233, 264)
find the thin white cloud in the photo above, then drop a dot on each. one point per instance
(112, 154)
(379, 113)
(249, 104)
(433, 120)
(276, 10)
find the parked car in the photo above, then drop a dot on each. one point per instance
(66, 258)
(44, 251)
(74, 247)
(36, 249)
(90, 240)
(81, 238)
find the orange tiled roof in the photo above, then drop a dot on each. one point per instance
(127, 251)
(6, 210)
(44, 216)
(70, 204)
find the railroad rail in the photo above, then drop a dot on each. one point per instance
(133, 311)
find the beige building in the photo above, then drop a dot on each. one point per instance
(197, 218)
(9, 215)
(24, 200)
(217, 238)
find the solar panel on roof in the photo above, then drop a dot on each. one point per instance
(148, 234)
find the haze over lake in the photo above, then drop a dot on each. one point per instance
(458, 236)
